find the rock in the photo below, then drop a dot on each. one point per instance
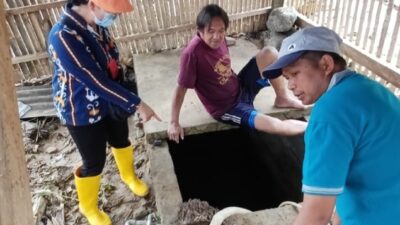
(230, 41)
(196, 212)
(39, 207)
(275, 39)
(28, 129)
(141, 212)
(277, 216)
(281, 19)
(35, 148)
(51, 149)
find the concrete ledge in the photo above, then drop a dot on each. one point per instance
(164, 184)
(156, 78)
(277, 216)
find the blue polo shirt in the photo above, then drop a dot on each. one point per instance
(353, 150)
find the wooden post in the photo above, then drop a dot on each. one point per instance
(277, 3)
(15, 197)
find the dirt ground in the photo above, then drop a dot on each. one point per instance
(52, 156)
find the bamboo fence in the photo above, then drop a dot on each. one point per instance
(370, 26)
(154, 25)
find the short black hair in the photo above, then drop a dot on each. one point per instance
(208, 13)
(315, 56)
(78, 2)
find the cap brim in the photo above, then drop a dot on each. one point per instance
(123, 6)
(275, 69)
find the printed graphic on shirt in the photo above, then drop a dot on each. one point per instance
(61, 94)
(70, 31)
(223, 69)
(93, 106)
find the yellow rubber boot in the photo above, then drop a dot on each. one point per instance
(87, 189)
(124, 159)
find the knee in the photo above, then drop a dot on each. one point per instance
(269, 52)
(120, 143)
(267, 56)
(95, 168)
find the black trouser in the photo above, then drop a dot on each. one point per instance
(91, 141)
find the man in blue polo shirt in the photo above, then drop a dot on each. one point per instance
(352, 156)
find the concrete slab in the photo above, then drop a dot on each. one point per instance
(164, 183)
(156, 79)
(277, 216)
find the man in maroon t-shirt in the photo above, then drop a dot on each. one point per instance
(206, 67)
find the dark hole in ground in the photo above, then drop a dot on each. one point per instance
(237, 168)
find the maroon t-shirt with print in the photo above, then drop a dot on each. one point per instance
(209, 72)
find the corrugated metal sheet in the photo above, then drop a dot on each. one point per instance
(39, 99)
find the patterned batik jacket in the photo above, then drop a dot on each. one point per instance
(83, 62)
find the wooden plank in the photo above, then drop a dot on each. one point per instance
(19, 74)
(240, 21)
(15, 195)
(35, 68)
(172, 14)
(140, 13)
(180, 21)
(398, 60)
(150, 24)
(377, 66)
(251, 19)
(369, 19)
(141, 34)
(324, 13)
(255, 12)
(346, 23)
(248, 20)
(229, 6)
(385, 28)
(362, 20)
(20, 47)
(341, 31)
(375, 30)
(319, 16)
(277, 3)
(305, 8)
(331, 20)
(25, 43)
(394, 38)
(258, 19)
(167, 23)
(235, 23)
(314, 9)
(161, 24)
(37, 26)
(31, 34)
(237, 16)
(30, 57)
(354, 18)
(336, 21)
(34, 8)
(138, 24)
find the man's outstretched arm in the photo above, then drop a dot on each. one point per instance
(316, 210)
(175, 131)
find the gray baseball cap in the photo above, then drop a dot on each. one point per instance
(319, 39)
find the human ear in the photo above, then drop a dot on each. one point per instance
(91, 5)
(327, 64)
(201, 32)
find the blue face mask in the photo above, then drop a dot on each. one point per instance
(107, 20)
